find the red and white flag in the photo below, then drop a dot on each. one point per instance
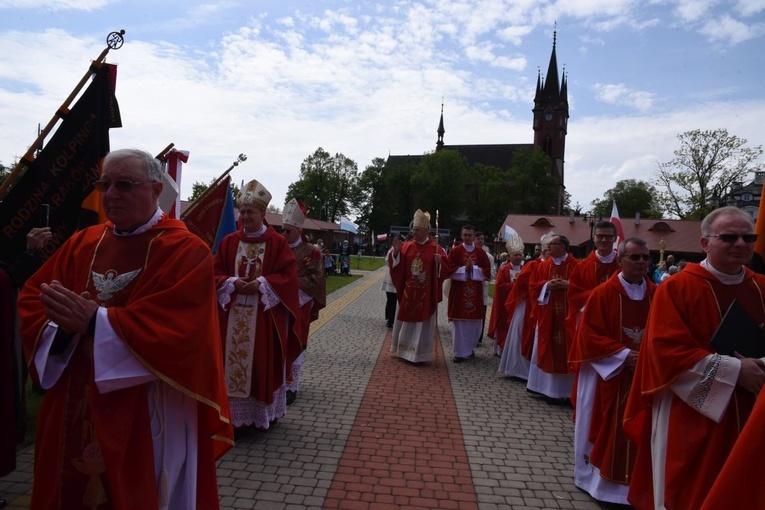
(175, 160)
(382, 237)
(616, 221)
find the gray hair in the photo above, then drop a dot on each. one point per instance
(150, 164)
(706, 223)
(545, 240)
(634, 240)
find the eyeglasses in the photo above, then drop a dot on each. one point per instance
(604, 237)
(732, 238)
(552, 244)
(123, 186)
(638, 256)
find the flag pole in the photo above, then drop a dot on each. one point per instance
(240, 158)
(114, 41)
(162, 156)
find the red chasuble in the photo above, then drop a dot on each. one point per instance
(310, 271)
(466, 298)
(520, 291)
(685, 313)
(553, 342)
(589, 273)
(499, 322)
(739, 484)
(277, 337)
(611, 322)
(88, 445)
(418, 286)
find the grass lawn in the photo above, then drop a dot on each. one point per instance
(366, 263)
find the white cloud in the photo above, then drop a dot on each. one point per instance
(515, 34)
(750, 7)
(730, 31)
(603, 150)
(55, 5)
(620, 94)
(370, 83)
(694, 10)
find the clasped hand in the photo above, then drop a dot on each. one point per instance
(71, 311)
(246, 288)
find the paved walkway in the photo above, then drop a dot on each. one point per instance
(370, 431)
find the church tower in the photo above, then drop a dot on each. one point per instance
(551, 121)
(441, 130)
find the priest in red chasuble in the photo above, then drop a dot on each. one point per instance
(471, 267)
(604, 353)
(688, 403)
(499, 321)
(593, 270)
(312, 292)
(256, 278)
(120, 327)
(417, 269)
(549, 374)
(516, 356)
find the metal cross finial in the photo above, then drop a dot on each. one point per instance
(115, 40)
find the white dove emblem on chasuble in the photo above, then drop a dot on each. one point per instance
(109, 283)
(635, 334)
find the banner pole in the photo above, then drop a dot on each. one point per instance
(240, 158)
(114, 41)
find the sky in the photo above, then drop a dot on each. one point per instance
(277, 80)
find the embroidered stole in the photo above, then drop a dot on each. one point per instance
(242, 322)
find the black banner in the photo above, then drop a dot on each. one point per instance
(64, 171)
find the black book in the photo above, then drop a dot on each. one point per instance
(739, 332)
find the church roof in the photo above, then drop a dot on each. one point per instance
(496, 155)
(681, 236)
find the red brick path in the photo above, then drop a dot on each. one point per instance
(406, 448)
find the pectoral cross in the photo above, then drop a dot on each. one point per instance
(248, 264)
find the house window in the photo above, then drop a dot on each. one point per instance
(746, 197)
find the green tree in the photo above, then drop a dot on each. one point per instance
(327, 185)
(368, 195)
(4, 173)
(438, 183)
(532, 188)
(704, 167)
(487, 205)
(632, 196)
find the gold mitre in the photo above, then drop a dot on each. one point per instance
(514, 243)
(294, 214)
(421, 219)
(254, 194)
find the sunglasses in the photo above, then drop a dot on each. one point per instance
(123, 186)
(732, 238)
(638, 256)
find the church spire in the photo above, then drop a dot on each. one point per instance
(551, 90)
(441, 130)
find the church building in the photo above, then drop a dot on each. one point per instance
(550, 125)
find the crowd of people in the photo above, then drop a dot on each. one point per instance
(136, 318)
(658, 408)
(110, 326)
